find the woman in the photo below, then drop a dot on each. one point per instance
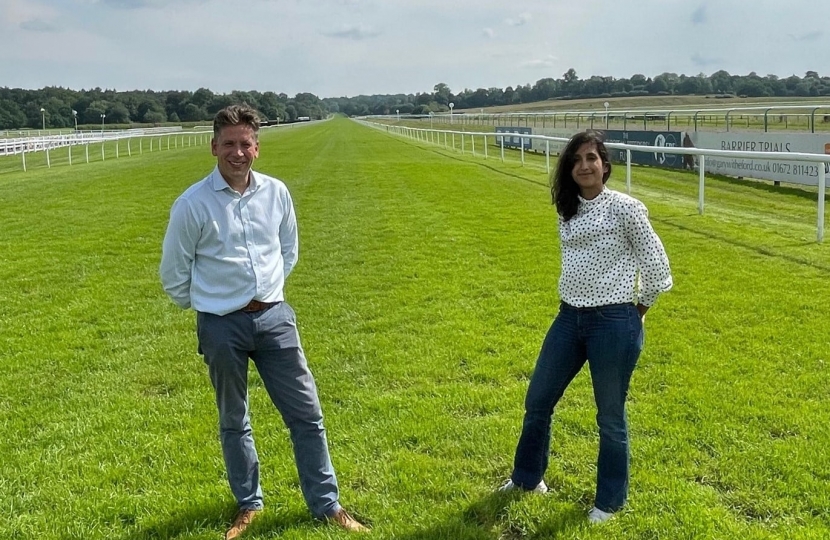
(613, 268)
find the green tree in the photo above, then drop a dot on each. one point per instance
(11, 116)
(442, 93)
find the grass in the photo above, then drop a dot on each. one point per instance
(426, 282)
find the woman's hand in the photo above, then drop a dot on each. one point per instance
(642, 310)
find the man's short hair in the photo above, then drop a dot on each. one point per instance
(235, 115)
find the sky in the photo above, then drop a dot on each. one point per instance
(334, 48)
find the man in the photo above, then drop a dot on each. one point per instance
(230, 245)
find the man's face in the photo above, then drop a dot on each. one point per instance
(235, 149)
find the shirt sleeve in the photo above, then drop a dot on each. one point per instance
(652, 261)
(289, 241)
(179, 253)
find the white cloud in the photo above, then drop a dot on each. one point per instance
(353, 32)
(699, 15)
(548, 61)
(38, 25)
(521, 20)
(349, 47)
(809, 36)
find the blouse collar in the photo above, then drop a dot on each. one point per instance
(602, 196)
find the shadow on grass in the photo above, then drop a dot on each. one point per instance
(761, 250)
(213, 519)
(460, 158)
(488, 519)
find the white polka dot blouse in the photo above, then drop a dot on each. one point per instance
(611, 254)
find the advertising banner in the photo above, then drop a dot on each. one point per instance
(668, 139)
(555, 147)
(790, 171)
(514, 141)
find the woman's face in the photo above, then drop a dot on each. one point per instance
(588, 170)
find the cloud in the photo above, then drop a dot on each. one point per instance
(699, 16)
(521, 20)
(809, 36)
(38, 25)
(547, 62)
(354, 32)
(702, 61)
(129, 4)
(139, 4)
(488, 32)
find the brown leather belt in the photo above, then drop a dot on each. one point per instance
(256, 305)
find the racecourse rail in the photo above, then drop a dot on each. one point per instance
(434, 136)
(174, 137)
(46, 143)
(651, 117)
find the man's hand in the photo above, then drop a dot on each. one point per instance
(642, 310)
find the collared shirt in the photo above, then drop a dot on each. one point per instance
(223, 249)
(611, 254)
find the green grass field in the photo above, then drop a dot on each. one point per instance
(426, 282)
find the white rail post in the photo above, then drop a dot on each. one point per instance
(502, 148)
(628, 171)
(86, 147)
(48, 161)
(473, 143)
(822, 189)
(102, 150)
(129, 150)
(70, 154)
(462, 142)
(453, 141)
(485, 146)
(168, 142)
(522, 146)
(117, 144)
(700, 188)
(140, 145)
(547, 156)
(23, 155)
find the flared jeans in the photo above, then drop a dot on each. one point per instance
(610, 339)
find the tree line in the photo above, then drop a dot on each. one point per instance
(570, 86)
(62, 108)
(58, 107)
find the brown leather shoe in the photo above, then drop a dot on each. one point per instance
(344, 520)
(243, 518)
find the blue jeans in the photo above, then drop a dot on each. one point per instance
(271, 340)
(610, 338)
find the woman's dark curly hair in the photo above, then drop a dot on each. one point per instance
(564, 189)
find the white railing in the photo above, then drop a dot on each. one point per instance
(157, 139)
(434, 136)
(650, 117)
(174, 139)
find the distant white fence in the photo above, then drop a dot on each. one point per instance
(760, 116)
(51, 142)
(435, 136)
(138, 141)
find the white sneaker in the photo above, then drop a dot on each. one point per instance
(541, 488)
(595, 515)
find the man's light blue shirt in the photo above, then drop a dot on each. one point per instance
(223, 249)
